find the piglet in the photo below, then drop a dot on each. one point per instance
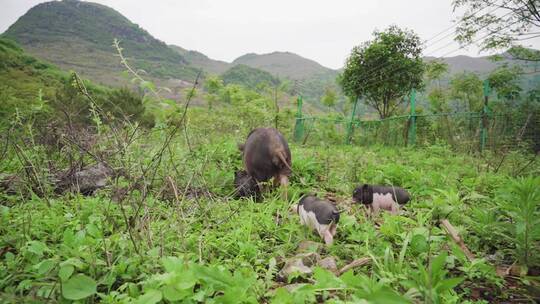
(245, 185)
(375, 197)
(319, 215)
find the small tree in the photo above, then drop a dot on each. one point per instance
(467, 88)
(329, 98)
(437, 96)
(505, 81)
(213, 85)
(383, 71)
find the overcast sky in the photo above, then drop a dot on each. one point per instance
(324, 31)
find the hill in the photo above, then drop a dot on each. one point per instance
(284, 64)
(201, 61)
(79, 35)
(309, 78)
(249, 77)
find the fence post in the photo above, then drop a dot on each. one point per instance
(350, 125)
(412, 125)
(299, 126)
(483, 132)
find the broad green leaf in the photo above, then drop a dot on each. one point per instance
(93, 230)
(448, 284)
(37, 247)
(173, 264)
(45, 266)
(386, 295)
(326, 279)
(437, 264)
(65, 272)
(419, 243)
(172, 294)
(150, 297)
(79, 287)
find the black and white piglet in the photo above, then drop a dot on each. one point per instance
(377, 198)
(319, 215)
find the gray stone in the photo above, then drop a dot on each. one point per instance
(309, 246)
(300, 264)
(328, 263)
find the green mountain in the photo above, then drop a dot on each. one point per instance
(284, 64)
(249, 77)
(308, 78)
(201, 61)
(79, 35)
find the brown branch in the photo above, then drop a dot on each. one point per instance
(356, 263)
(452, 232)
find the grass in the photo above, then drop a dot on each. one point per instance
(217, 249)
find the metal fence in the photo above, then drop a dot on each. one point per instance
(470, 131)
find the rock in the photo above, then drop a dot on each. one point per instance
(309, 246)
(328, 263)
(87, 180)
(300, 264)
(309, 259)
(11, 184)
(293, 266)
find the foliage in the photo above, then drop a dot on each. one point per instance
(509, 21)
(437, 96)
(467, 88)
(521, 205)
(166, 227)
(31, 85)
(330, 98)
(249, 77)
(505, 81)
(384, 70)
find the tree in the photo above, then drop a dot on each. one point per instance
(435, 70)
(329, 98)
(383, 71)
(212, 85)
(438, 96)
(467, 88)
(505, 81)
(507, 23)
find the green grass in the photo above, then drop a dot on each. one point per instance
(223, 250)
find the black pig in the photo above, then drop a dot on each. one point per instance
(266, 155)
(375, 197)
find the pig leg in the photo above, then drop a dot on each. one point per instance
(395, 209)
(284, 182)
(328, 237)
(333, 229)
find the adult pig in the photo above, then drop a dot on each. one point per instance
(266, 155)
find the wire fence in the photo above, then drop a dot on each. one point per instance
(464, 131)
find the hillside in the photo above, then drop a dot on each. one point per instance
(284, 64)
(249, 77)
(79, 35)
(201, 61)
(309, 78)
